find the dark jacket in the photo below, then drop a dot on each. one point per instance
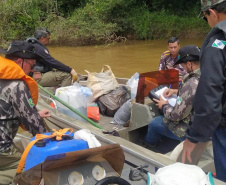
(210, 99)
(48, 62)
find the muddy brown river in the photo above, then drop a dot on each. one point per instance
(124, 59)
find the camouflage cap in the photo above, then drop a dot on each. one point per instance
(207, 4)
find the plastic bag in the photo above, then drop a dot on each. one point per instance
(186, 174)
(86, 135)
(93, 112)
(87, 95)
(101, 83)
(133, 84)
(76, 96)
(122, 116)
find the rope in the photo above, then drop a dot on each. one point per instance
(57, 133)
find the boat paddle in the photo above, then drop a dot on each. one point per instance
(70, 107)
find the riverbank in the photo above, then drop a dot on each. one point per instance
(99, 22)
(159, 26)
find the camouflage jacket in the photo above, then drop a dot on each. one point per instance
(178, 118)
(16, 107)
(167, 62)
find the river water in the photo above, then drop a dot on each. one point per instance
(124, 59)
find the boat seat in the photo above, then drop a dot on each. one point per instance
(201, 156)
(142, 114)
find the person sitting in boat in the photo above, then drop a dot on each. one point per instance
(18, 96)
(49, 72)
(170, 57)
(178, 118)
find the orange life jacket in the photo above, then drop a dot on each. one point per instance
(10, 70)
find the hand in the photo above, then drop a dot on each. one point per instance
(73, 72)
(169, 92)
(161, 102)
(187, 150)
(44, 113)
(74, 75)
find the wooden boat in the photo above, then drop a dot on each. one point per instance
(136, 155)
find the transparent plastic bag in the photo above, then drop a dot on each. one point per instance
(87, 96)
(133, 84)
(76, 96)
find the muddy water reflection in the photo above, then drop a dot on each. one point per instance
(125, 60)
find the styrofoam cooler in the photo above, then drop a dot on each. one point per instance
(76, 96)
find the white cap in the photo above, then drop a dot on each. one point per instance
(180, 174)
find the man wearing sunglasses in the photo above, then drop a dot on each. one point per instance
(18, 96)
(210, 100)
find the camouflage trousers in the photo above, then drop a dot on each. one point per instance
(8, 164)
(55, 78)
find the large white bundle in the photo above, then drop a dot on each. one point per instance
(76, 96)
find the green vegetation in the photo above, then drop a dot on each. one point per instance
(82, 22)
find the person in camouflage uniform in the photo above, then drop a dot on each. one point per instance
(177, 119)
(16, 105)
(169, 58)
(210, 101)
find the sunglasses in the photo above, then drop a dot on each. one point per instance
(207, 12)
(31, 65)
(204, 18)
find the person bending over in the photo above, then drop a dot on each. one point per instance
(18, 96)
(49, 72)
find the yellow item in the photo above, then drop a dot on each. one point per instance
(74, 78)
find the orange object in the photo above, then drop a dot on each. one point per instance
(93, 113)
(9, 70)
(52, 105)
(151, 80)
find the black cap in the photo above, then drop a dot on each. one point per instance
(188, 53)
(21, 49)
